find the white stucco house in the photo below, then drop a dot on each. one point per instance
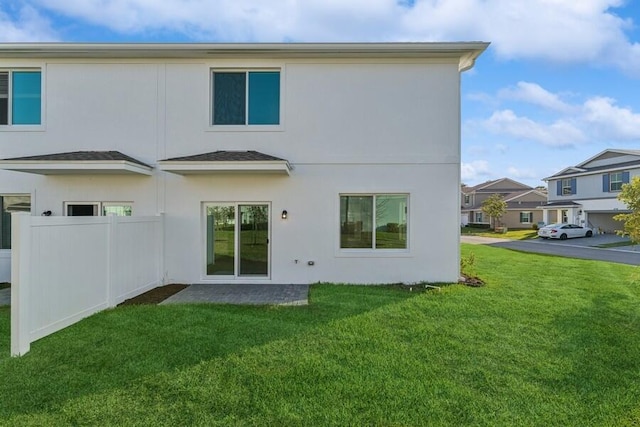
(271, 163)
(587, 194)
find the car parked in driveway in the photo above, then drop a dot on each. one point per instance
(564, 231)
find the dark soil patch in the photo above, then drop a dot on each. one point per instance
(471, 281)
(156, 295)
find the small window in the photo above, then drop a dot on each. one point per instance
(20, 97)
(615, 181)
(467, 199)
(566, 187)
(478, 217)
(376, 221)
(98, 208)
(10, 203)
(118, 209)
(245, 97)
(525, 217)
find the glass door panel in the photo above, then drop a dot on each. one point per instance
(221, 226)
(253, 245)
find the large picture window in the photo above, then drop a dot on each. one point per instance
(11, 203)
(376, 221)
(246, 97)
(20, 97)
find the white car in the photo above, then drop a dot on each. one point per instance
(564, 231)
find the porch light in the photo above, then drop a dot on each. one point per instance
(285, 214)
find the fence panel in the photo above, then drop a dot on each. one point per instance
(67, 268)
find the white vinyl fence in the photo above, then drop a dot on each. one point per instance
(64, 269)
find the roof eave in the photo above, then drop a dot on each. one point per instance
(48, 167)
(209, 167)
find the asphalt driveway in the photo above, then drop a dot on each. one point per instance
(583, 248)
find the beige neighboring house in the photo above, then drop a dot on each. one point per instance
(523, 203)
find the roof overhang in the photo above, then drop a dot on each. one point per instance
(465, 53)
(212, 167)
(73, 167)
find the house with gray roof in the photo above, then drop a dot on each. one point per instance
(270, 163)
(587, 193)
(523, 204)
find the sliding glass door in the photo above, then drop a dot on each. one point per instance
(237, 239)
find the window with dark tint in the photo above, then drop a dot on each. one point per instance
(246, 98)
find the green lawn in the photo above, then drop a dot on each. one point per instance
(510, 234)
(547, 341)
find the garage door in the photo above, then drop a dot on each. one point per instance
(604, 222)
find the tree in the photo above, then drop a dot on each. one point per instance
(495, 207)
(630, 196)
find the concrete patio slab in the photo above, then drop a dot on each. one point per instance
(242, 294)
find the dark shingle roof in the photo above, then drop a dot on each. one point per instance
(227, 156)
(81, 156)
(586, 171)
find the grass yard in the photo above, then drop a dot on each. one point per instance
(510, 234)
(547, 341)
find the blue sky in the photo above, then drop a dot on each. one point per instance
(559, 84)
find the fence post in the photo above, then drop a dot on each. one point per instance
(20, 258)
(112, 250)
(161, 252)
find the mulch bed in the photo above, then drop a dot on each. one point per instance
(474, 282)
(156, 295)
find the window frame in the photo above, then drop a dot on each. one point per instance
(246, 126)
(477, 215)
(619, 182)
(373, 250)
(2, 209)
(98, 207)
(566, 186)
(10, 126)
(529, 216)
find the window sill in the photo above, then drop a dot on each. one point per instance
(22, 128)
(373, 253)
(245, 128)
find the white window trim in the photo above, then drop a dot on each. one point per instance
(530, 215)
(9, 127)
(99, 206)
(211, 127)
(611, 182)
(373, 252)
(563, 187)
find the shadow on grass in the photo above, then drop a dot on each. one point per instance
(603, 343)
(115, 347)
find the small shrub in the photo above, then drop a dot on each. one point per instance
(467, 263)
(534, 226)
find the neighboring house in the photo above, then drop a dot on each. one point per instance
(587, 194)
(523, 203)
(272, 163)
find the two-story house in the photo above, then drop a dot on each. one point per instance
(272, 163)
(523, 203)
(586, 194)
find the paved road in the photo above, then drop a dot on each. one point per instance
(571, 248)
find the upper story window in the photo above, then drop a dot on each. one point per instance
(612, 182)
(566, 187)
(20, 97)
(373, 221)
(615, 181)
(245, 97)
(467, 199)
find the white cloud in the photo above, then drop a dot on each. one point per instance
(610, 121)
(473, 171)
(28, 25)
(522, 173)
(535, 94)
(558, 134)
(585, 31)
